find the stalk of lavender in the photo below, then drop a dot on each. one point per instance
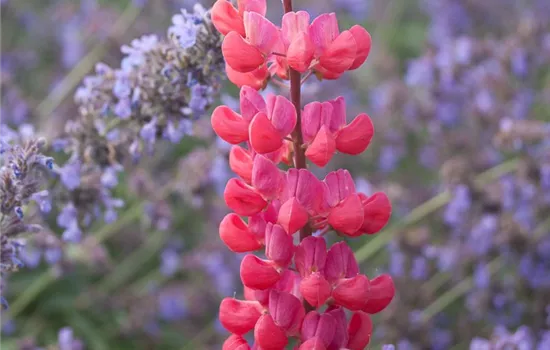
(160, 88)
(22, 170)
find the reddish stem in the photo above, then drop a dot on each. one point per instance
(297, 138)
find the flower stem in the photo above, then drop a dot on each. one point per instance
(297, 138)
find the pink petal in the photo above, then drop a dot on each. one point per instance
(321, 326)
(235, 342)
(294, 23)
(340, 54)
(315, 289)
(238, 316)
(340, 185)
(363, 40)
(226, 18)
(257, 273)
(382, 293)
(258, 6)
(240, 162)
(228, 125)
(292, 216)
(241, 55)
(306, 187)
(287, 310)
(236, 235)
(355, 138)
(282, 114)
(257, 79)
(260, 32)
(377, 212)
(323, 31)
(311, 255)
(264, 138)
(359, 330)
(340, 263)
(323, 147)
(243, 199)
(338, 117)
(347, 217)
(314, 115)
(266, 177)
(278, 245)
(300, 52)
(352, 293)
(251, 102)
(268, 335)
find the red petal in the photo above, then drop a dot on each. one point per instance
(264, 138)
(382, 291)
(311, 255)
(241, 163)
(242, 199)
(279, 247)
(340, 262)
(377, 211)
(226, 18)
(287, 311)
(260, 32)
(251, 102)
(257, 273)
(235, 342)
(315, 289)
(236, 235)
(266, 177)
(292, 216)
(359, 330)
(321, 326)
(352, 293)
(238, 316)
(340, 54)
(321, 150)
(256, 79)
(268, 335)
(240, 55)
(258, 6)
(323, 30)
(314, 343)
(347, 217)
(282, 114)
(228, 125)
(300, 52)
(363, 41)
(355, 137)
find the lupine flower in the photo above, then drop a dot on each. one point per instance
(280, 203)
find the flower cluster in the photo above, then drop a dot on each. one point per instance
(65, 341)
(161, 86)
(22, 173)
(287, 290)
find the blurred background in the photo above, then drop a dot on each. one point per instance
(459, 92)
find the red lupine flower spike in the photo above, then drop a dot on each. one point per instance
(257, 273)
(381, 295)
(238, 316)
(359, 331)
(235, 342)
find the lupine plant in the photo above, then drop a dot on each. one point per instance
(293, 290)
